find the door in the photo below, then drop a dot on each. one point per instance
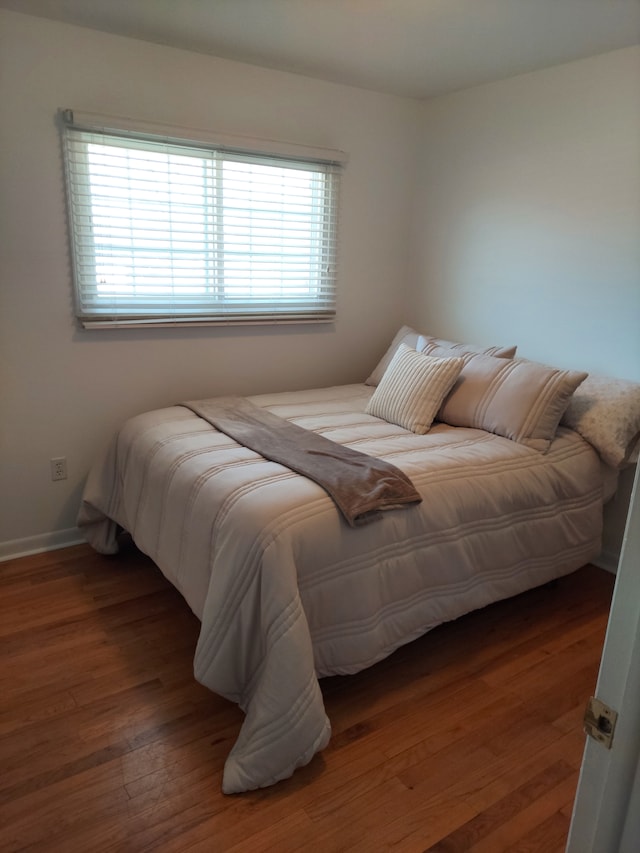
(606, 814)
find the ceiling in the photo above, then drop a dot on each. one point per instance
(414, 48)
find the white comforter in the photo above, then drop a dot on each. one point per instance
(286, 591)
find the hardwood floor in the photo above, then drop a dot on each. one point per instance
(469, 739)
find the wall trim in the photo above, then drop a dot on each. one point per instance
(40, 543)
(607, 560)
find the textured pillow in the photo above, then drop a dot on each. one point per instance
(518, 399)
(606, 413)
(427, 344)
(418, 341)
(413, 388)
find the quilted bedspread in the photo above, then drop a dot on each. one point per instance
(287, 592)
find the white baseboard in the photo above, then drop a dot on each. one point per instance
(40, 543)
(607, 560)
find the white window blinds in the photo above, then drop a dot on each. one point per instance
(165, 230)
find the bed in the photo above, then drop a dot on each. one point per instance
(288, 592)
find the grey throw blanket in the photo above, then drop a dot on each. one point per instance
(360, 485)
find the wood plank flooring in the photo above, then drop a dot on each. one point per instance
(469, 739)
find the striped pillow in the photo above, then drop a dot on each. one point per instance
(518, 399)
(425, 343)
(412, 389)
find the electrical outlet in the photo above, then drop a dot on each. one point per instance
(59, 468)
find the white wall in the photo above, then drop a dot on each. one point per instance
(527, 227)
(528, 222)
(525, 230)
(63, 390)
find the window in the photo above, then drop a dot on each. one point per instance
(165, 230)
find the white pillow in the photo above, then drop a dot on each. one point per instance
(412, 389)
(606, 413)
